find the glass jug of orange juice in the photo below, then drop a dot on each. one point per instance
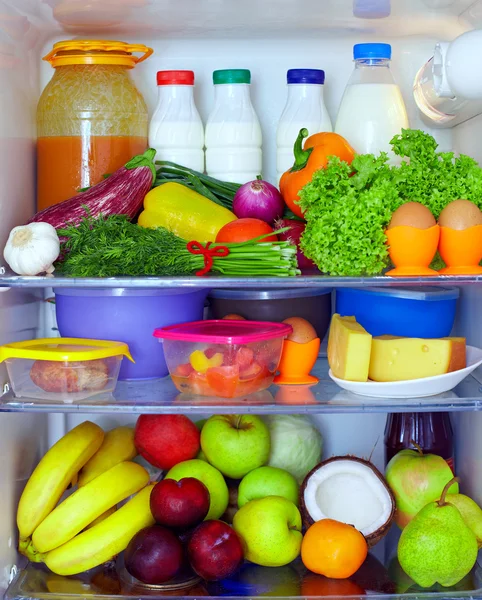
(91, 118)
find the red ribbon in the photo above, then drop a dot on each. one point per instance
(208, 253)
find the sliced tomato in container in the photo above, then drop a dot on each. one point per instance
(223, 380)
(183, 370)
(244, 357)
(250, 372)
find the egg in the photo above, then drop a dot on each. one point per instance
(234, 317)
(412, 214)
(303, 330)
(460, 214)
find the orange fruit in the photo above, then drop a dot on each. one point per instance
(243, 230)
(333, 549)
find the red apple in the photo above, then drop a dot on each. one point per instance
(154, 555)
(180, 504)
(215, 550)
(165, 440)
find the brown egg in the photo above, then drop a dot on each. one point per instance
(303, 331)
(234, 317)
(412, 214)
(460, 214)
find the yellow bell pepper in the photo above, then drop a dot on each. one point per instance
(183, 211)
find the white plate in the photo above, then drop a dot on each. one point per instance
(414, 388)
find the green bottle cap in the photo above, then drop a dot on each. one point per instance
(232, 76)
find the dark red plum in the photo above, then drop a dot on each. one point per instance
(154, 555)
(179, 504)
(215, 550)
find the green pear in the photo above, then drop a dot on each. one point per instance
(416, 479)
(471, 514)
(437, 546)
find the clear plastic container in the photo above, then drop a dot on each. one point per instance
(233, 132)
(176, 130)
(91, 118)
(226, 359)
(372, 109)
(63, 369)
(305, 107)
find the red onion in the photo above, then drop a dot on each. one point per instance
(294, 236)
(258, 200)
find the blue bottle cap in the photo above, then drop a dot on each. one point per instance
(372, 51)
(316, 76)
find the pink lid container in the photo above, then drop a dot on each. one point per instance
(224, 332)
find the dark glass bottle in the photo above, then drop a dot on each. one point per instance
(431, 431)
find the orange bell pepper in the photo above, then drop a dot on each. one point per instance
(318, 148)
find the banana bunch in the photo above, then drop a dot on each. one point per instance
(86, 529)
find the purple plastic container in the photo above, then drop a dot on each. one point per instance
(130, 316)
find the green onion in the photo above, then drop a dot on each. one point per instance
(113, 246)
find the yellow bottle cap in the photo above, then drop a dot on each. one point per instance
(97, 52)
(64, 349)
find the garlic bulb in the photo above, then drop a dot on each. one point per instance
(32, 249)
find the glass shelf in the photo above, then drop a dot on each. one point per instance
(379, 577)
(160, 396)
(9, 279)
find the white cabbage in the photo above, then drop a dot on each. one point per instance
(296, 444)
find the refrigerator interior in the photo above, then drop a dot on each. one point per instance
(268, 37)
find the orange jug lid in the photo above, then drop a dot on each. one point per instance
(96, 52)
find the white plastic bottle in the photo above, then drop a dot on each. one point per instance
(233, 132)
(176, 130)
(305, 107)
(372, 110)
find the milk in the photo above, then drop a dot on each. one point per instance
(176, 130)
(370, 115)
(233, 132)
(305, 108)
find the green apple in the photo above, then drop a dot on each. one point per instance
(271, 530)
(267, 481)
(212, 479)
(416, 479)
(235, 444)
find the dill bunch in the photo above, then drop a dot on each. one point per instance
(112, 246)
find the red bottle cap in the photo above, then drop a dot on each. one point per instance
(175, 78)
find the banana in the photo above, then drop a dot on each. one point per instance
(103, 516)
(52, 476)
(118, 445)
(87, 503)
(101, 543)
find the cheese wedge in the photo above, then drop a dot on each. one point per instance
(349, 347)
(402, 359)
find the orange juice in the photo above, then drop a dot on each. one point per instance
(66, 164)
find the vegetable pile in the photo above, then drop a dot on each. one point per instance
(348, 207)
(113, 246)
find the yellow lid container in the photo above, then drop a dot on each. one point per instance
(64, 350)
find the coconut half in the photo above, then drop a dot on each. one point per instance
(350, 490)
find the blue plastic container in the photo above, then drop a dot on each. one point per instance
(423, 312)
(130, 316)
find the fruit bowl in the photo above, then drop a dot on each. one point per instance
(226, 359)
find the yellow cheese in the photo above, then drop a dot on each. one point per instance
(349, 348)
(402, 359)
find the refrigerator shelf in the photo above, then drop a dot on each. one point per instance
(380, 577)
(160, 396)
(9, 279)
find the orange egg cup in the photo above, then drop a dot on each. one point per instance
(461, 250)
(296, 362)
(412, 250)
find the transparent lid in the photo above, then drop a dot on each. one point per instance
(426, 293)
